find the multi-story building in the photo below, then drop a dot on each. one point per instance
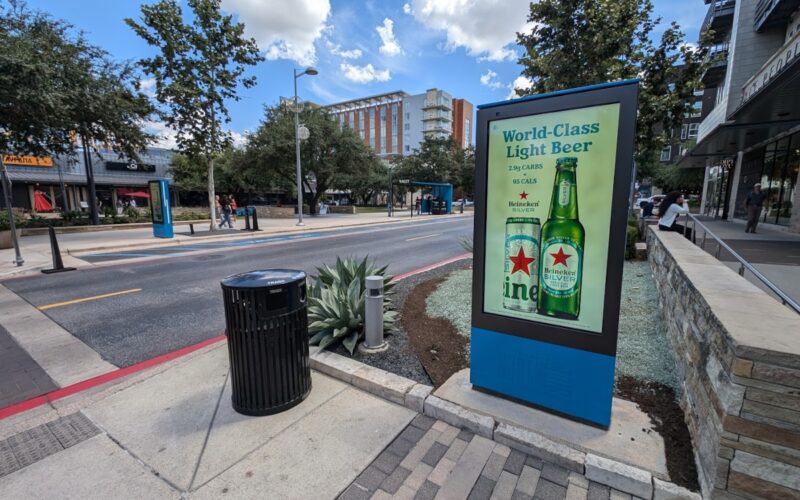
(684, 139)
(752, 131)
(63, 179)
(396, 123)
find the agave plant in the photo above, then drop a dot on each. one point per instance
(336, 303)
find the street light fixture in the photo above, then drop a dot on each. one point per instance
(311, 72)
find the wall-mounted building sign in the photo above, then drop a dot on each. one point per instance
(552, 186)
(131, 166)
(28, 161)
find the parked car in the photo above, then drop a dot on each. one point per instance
(655, 200)
(467, 203)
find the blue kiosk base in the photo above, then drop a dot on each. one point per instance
(544, 375)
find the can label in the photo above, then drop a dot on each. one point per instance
(521, 266)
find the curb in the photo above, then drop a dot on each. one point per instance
(419, 397)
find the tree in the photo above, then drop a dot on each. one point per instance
(199, 67)
(580, 42)
(331, 154)
(436, 160)
(363, 188)
(54, 84)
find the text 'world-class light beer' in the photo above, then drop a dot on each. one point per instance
(561, 258)
(521, 272)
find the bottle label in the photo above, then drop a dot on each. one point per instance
(561, 267)
(563, 193)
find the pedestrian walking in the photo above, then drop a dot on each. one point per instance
(753, 204)
(671, 207)
(218, 209)
(225, 212)
(234, 206)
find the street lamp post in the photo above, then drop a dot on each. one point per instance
(311, 72)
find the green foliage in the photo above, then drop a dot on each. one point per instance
(438, 160)
(630, 242)
(198, 67)
(53, 84)
(19, 219)
(467, 243)
(190, 215)
(672, 178)
(581, 42)
(363, 188)
(331, 154)
(337, 297)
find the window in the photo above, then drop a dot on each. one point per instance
(697, 109)
(341, 120)
(406, 126)
(352, 120)
(361, 123)
(467, 132)
(693, 130)
(684, 131)
(408, 148)
(666, 153)
(408, 116)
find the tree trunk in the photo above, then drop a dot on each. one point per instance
(211, 195)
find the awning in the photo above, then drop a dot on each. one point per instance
(770, 111)
(41, 203)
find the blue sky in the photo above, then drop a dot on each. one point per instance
(466, 47)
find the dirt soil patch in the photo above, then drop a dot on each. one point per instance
(658, 401)
(436, 342)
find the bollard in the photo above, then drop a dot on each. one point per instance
(255, 219)
(373, 321)
(58, 265)
(191, 228)
(247, 219)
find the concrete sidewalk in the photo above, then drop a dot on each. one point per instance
(774, 253)
(36, 249)
(173, 433)
(170, 432)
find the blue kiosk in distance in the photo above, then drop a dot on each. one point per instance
(160, 209)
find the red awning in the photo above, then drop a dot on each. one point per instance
(137, 194)
(41, 203)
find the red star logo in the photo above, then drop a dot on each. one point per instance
(521, 262)
(560, 257)
(523, 196)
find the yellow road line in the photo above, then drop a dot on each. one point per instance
(87, 299)
(423, 237)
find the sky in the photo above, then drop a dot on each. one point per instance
(360, 48)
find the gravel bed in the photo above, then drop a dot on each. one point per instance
(643, 351)
(400, 358)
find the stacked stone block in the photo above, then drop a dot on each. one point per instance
(737, 351)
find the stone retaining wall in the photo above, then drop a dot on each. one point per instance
(738, 356)
(275, 212)
(342, 209)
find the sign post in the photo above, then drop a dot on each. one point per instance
(160, 209)
(552, 184)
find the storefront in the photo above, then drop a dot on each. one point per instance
(61, 182)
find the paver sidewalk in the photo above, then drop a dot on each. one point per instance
(36, 249)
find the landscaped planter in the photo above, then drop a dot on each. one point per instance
(5, 238)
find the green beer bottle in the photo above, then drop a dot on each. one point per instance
(561, 258)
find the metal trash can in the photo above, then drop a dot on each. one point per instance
(266, 321)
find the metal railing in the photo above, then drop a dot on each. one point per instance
(743, 264)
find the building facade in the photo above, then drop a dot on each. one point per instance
(396, 123)
(752, 132)
(62, 180)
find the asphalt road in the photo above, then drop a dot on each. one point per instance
(180, 302)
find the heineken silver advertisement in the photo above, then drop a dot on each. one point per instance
(553, 177)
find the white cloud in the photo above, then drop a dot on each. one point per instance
(282, 32)
(390, 46)
(484, 28)
(407, 8)
(364, 74)
(520, 82)
(336, 50)
(488, 79)
(167, 137)
(148, 86)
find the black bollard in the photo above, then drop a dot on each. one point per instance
(58, 265)
(255, 220)
(247, 219)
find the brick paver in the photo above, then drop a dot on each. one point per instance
(432, 459)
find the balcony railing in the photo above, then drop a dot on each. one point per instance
(772, 12)
(438, 103)
(718, 57)
(719, 12)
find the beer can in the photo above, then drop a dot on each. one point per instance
(521, 265)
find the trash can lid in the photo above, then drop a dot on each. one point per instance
(264, 278)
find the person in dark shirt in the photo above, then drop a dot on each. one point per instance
(753, 204)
